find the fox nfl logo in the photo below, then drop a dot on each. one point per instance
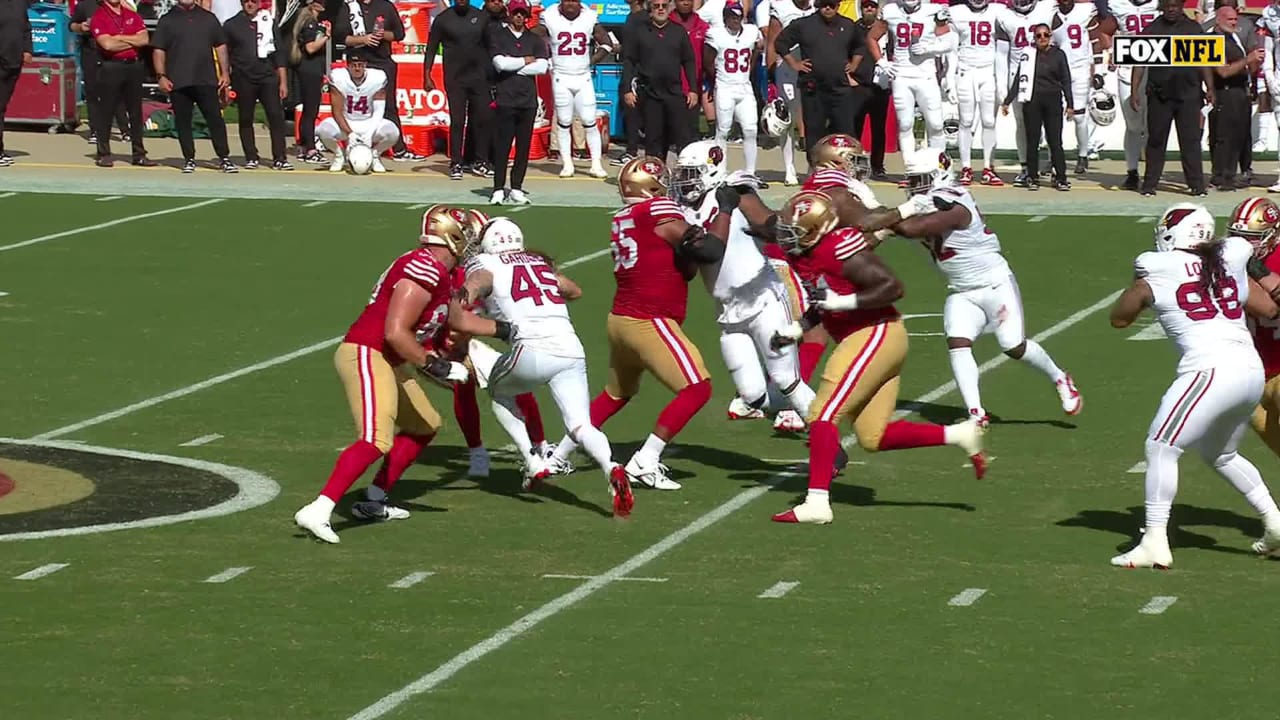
(1169, 50)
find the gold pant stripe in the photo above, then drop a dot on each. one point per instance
(678, 351)
(853, 374)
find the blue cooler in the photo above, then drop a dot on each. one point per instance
(50, 30)
(606, 79)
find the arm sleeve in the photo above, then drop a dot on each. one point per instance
(1002, 68)
(1013, 89)
(506, 63)
(537, 67)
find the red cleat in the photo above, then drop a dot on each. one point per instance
(966, 176)
(786, 517)
(979, 465)
(989, 177)
(620, 486)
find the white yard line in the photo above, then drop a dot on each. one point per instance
(561, 576)
(520, 208)
(967, 597)
(109, 198)
(202, 440)
(1139, 468)
(1146, 220)
(7, 195)
(443, 673)
(230, 573)
(110, 223)
(778, 589)
(315, 203)
(1038, 218)
(4, 294)
(41, 571)
(1158, 604)
(411, 579)
(1154, 331)
(419, 206)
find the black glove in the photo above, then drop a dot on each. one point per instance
(728, 198)
(768, 231)
(506, 331)
(942, 204)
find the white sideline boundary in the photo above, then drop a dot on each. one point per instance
(443, 673)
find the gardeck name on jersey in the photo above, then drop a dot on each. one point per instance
(1169, 50)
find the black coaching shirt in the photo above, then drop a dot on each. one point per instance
(656, 56)
(242, 46)
(463, 37)
(828, 45)
(511, 89)
(188, 37)
(1174, 82)
(372, 12)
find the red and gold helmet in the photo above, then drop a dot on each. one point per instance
(642, 179)
(804, 219)
(447, 227)
(841, 152)
(1257, 220)
(475, 223)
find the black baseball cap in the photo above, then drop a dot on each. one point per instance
(357, 55)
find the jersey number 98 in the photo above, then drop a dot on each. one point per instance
(1198, 305)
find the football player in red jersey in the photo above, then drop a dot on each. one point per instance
(409, 313)
(655, 255)
(1257, 220)
(855, 300)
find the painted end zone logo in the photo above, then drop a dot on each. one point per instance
(1169, 50)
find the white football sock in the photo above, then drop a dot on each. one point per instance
(788, 153)
(1162, 482)
(1083, 131)
(1036, 357)
(564, 138)
(508, 414)
(966, 146)
(1246, 479)
(750, 148)
(800, 398)
(651, 452)
(1133, 142)
(988, 145)
(965, 369)
(564, 450)
(593, 143)
(597, 446)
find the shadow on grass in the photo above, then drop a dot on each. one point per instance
(1128, 522)
(947, 414)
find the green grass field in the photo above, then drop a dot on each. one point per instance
(673, 626)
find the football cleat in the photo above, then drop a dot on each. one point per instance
(372, 510)
(1269, 543)
(377, 165)
(1152, 552)
(559, 467)
(1072, 402)
(567, 170)
(620, 489)
(791, 179)
(479, 463)
(989, 177)
(813, 511)
(654, 476)
(339, 162)
(966, 176)
(979, 417)
(968, 437)
(535, 471)
(314, 518)
(740, 410)
(597, 171)
(788, 421)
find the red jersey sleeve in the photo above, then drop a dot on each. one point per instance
(848, 242)
(826, 179)
(425, 271)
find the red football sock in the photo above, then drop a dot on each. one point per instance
(528, 405)
(824, 445)
(604, 407)
(350, 466)
(404, 450)
(810, 356)
(681, 409)
(901, 435)
(467, 411)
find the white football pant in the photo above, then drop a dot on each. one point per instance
(1135, 123)
(575, 96)
(787, 80)
(995, 309)
(911, 93)
(1081, 87)
(745, 344)
(976, 96)
(379, 133)
(738, 105)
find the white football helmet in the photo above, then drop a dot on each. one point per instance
(360, 157)
(699, 169)
(909, 6)
(977, 5)
(926, 169)
(776, 118)
(1023, 6)
(1102, 107)
(951, 123)
(1184, 226)
(501, 235)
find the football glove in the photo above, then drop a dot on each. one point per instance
(788, 335)
(832, 301)
(727, 198)
(445, 372)
(744, 181)
(506, 331)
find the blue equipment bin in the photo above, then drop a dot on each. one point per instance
(50, 30)
(606, 79)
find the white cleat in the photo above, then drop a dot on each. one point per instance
(653, 476)
(518, 197)
(1152, 552)
(314, 518)
(339, 162)
(967, 435)
(597, 171)
(1274, 188)
(813, 511)
(1269, 544)
(479, 467)
(979, 417)
(740, 410)
(1072, 402)
(499, 197)
(377, 165)
(791, 179)
(567, 170)
(373, 511)
(544, 450)
(788, 421)
(560, 467)
(536, 470)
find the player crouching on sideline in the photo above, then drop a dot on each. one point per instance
(1200, 289)
(656, 253)
(854, 298)
(984, 292)
(753, 302)
(409, 312)
(523, 287)
(358, 97)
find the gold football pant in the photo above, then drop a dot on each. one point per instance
(656, 345)
(383, 398)
(1266, 417)
(860, 381)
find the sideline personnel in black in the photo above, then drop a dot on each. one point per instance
(871, 99)
(1174, 96)
(462, 30)
(828, 43)
(310, 61)
(15, 51)
(518, 54)
(654, 53)
(89, 68)
(186, 40)
(632, 114)
(1229, 126)
(257, 75)
(1043, 85)
(374, 25)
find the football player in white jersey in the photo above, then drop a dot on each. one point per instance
(1200, 290)
(1072, 24)
(1016, 24)
(729, 57)
(358, 96)
(913, 29)
(781, 14)
(984, 292)
(974, 83)
(753, 304)
(571, 29)
(524, 289)
(1130, 17)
